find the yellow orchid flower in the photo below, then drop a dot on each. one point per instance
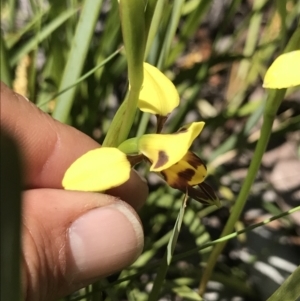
(169, 155)
(108, 167)
(158, 95)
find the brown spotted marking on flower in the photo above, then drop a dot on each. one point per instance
(162, 159)
(183, 174)
(187, 174)
(194, 160)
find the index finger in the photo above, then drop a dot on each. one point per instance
(48, 146)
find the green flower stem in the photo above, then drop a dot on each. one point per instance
(122, 122)
(143, 124)
(133, 30)
(129, 114)
(134, 36)
(274, 100)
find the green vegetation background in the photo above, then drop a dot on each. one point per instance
(216, 53)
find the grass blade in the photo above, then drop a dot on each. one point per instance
(290, 289)
(12, 39)
(82, 78)
(163, 269)
(45, 32)
(174, 20)
(4, 67)
(76, 59)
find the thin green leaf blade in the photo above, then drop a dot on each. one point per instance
(290, 289)
(76, 59)
(43, 34)
(163, 269)
(4, 66)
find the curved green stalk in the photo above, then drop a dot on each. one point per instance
(143, 124)
(273, 102)
(129, 114)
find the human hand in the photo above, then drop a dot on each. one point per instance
(69, 239)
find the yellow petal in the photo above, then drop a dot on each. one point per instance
(158, 94)
(164, 150)
(97, 170)
(189, 171)
(284, 72)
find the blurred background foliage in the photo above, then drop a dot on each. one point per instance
(216, 53)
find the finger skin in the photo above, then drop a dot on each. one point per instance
(49, 147)
(49, 270)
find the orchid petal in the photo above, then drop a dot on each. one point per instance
(164, 150)
(97, 170)
(158, 94)
(284, 72)
(189, 171)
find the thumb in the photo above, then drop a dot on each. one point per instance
(71, 239)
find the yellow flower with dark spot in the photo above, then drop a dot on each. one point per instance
(181, 169)
(107, 167)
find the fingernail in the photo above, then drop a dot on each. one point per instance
(104, 240)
